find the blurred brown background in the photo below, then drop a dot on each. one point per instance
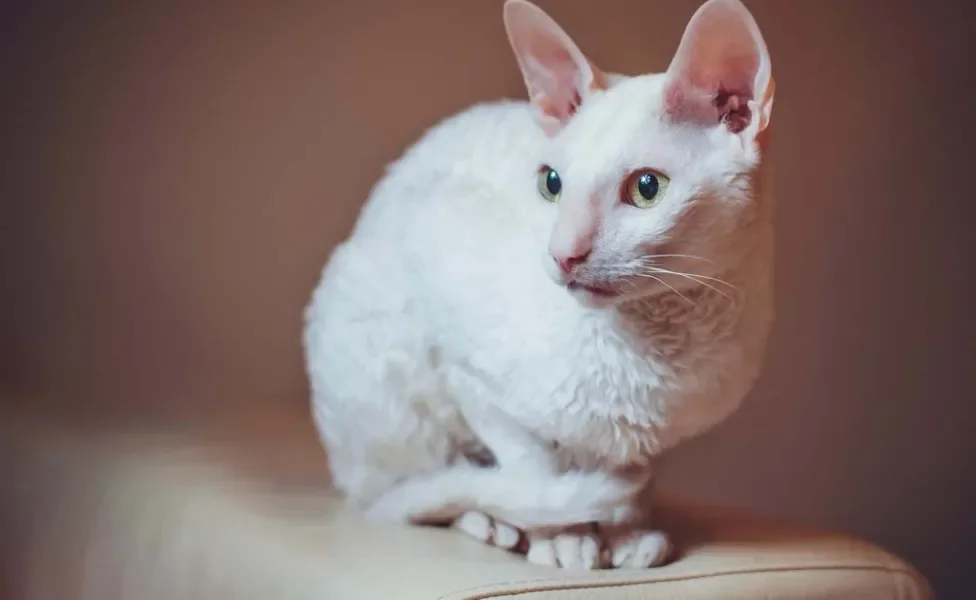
(175, 174)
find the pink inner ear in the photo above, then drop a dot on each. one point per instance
(733, 109)
(719, 96)
(554, 79)
(558, 76)
(715, 71)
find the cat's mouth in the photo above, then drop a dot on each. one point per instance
(598, 291)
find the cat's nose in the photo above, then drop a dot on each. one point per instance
(569, 248)
(567, 263)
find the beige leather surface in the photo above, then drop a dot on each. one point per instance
(240, 509)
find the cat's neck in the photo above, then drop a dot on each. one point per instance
(678, 304)
(696, 308)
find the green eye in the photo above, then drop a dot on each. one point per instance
(549, 183)
(644, 188)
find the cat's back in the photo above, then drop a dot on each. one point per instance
(486, 137)
(457, 164)
(445, 225)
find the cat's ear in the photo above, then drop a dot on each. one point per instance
(559, 78)
(721, 73)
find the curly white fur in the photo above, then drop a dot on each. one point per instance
(442, 335)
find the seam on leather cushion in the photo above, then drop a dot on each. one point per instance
(483, 592)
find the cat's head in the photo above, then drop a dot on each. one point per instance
(647, 176)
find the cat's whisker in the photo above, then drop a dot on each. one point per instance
(691, 277)
(690, 256)
(695, 275)
(665, 284)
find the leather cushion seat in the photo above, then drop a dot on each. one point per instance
(240, 508)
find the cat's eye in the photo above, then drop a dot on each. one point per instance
(549, 183)
(644, 188)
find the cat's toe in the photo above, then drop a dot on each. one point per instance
(506, 536)
(487, 530)
(476, 525)
(574, 551)
(639, 549)
(541, 552)
(577, 551)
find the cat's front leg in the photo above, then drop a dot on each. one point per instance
(621, 543)
(625, 543)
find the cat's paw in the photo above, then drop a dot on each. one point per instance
(592, 547)
(488, 530)
(577, 549)
(636, 548)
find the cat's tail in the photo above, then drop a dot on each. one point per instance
(525, 499)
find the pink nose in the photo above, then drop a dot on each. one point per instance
(568, 263)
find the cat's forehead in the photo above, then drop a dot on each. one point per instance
(630, 103)
(624, 127)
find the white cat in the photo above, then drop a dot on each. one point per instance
(538, 298)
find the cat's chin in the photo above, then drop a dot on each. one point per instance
(592, 297)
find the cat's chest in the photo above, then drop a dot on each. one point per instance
(611, 391)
